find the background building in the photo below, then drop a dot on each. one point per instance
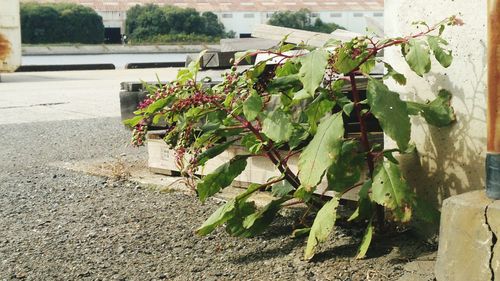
(241, 16)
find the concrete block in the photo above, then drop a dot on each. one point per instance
(243, 44)
(468, 248)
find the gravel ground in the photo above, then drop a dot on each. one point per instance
(56, 224)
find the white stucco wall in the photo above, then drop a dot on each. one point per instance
(449, 160)
(10, 28)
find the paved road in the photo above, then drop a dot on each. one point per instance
(50, 96)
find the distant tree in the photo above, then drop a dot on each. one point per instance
(153, 21)
(58, 23)
(301, 19)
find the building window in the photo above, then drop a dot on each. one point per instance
(357, 15)
(378, 15)
(248, 16)
(314, 15)
(335, 15)
(227, 16)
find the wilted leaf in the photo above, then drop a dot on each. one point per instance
(416, 53)
(365, 243)
(322, 226)
(390, 189)
(436, 43)
(345, 172)
(438, 112)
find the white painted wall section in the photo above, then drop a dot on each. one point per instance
(450, 160)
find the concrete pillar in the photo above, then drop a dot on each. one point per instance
(449, 160)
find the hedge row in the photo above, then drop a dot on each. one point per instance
(60, 23)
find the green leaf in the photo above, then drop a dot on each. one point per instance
(277, 126)
(132, 122)
(222, 177)
(347, 108)
(303, 194)
(220, 216)
(301, 232)
(398, 77)
(212, 152)
(444, 57)
(390, 190)
(438, 112)
(299, 135)
(346, 171)
(322, 226)
(289, 68)
(312, 70)
(390, 111)
(424, 211)
(257, 70)
(316, 110)
(282, 188)
(344, 62)
(367, 66)
(159, 104)
(416, 53)
(251, 143)
(252, 106)
(365, 243)
(284, 83)
(322, 151)
(256, 223)
(364, 209)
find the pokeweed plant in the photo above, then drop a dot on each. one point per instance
(296, 105)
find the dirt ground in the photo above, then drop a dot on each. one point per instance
(58, 224)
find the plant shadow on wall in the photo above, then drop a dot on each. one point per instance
(444, 166)
(295, 103)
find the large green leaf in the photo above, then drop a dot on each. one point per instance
(282, 188)
(322, 226)
(391, 112)
(438, 112)
(222, 177)
(277, 126)
(220, 216)
(390, 189)
(436, 43)
(252, 106)
(416, 53)
(322, 151)
(345, 172)
(312, 70)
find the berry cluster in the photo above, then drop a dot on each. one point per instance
(139, 134)
(199, 98)
(161, 93)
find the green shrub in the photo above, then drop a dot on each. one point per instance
(60, 23)
(177, 38)
(302, 19)
(152, 22)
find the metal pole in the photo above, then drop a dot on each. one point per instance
(493, 117)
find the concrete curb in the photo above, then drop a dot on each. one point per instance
(65, 67)
(115, 49)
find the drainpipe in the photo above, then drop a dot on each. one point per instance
(493, 115)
